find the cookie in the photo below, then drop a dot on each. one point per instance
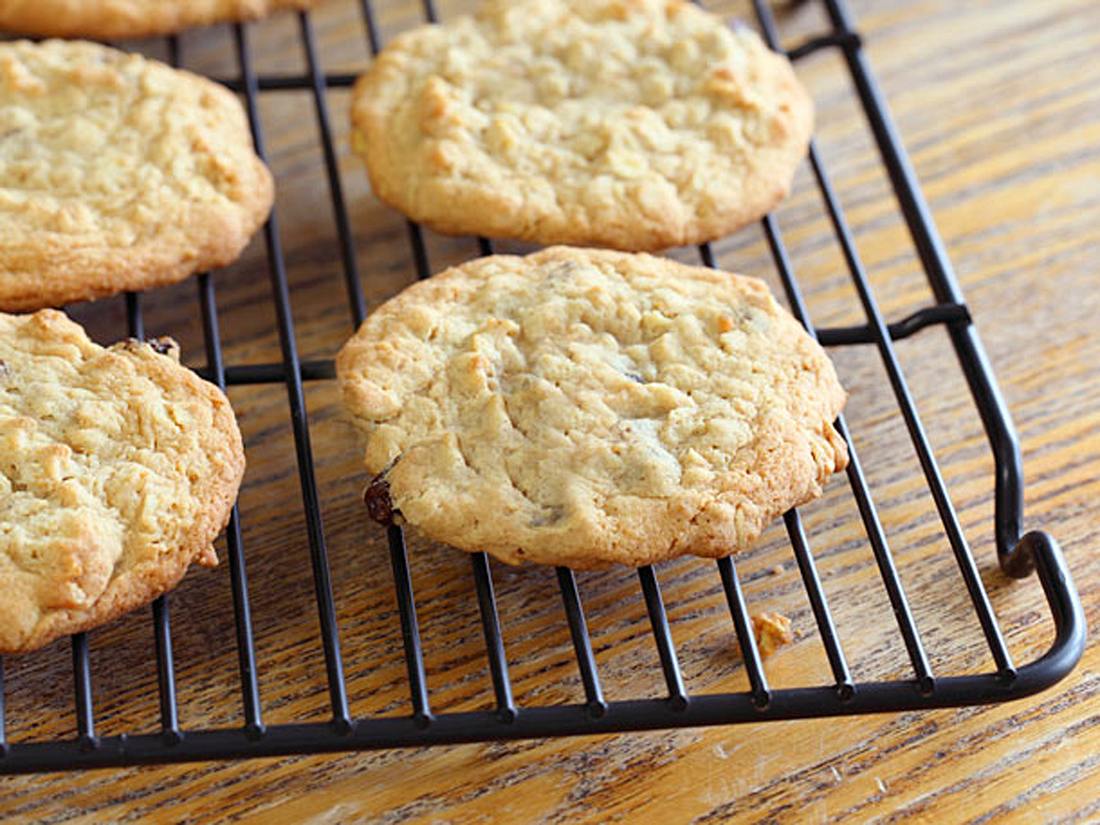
(117, 173)
(106, 19)
(581, 407)
(120, 467)
(630, 124)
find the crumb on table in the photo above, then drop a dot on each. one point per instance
(772, 631)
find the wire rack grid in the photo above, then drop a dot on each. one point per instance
(1019, 554)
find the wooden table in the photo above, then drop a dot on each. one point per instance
(999, 104)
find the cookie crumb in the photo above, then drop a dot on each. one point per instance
(881, 784)
(778, 570)
(772, 631)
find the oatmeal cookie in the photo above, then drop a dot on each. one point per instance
(117, 173)
(107, 19)
(583, 407)
(631, 124)
(120, 467)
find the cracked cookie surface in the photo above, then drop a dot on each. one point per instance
(630, 124)
(583, 407)
(106, 19)
(117, 173)
(119, 469)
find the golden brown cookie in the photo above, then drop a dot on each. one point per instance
(105, 19)
(582, 407)
(120, 467)
(117, 173)
(632, 124)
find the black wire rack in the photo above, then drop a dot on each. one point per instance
(1019, 554)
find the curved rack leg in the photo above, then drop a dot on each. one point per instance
(1039, 551)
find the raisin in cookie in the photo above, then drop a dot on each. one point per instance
(583, 407)
(106, 19)
(117, 173)
(119, 468)
(632, 124)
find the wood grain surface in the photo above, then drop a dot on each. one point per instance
(999, 105)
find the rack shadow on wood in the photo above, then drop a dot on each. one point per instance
(1019, 554)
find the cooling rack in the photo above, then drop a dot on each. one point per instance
(1020, 554)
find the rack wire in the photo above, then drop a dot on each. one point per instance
(1019, 554)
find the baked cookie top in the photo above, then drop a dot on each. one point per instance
(631, 124)
(129, 18)
(117, 173)
(582, 407)
(119, 468)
